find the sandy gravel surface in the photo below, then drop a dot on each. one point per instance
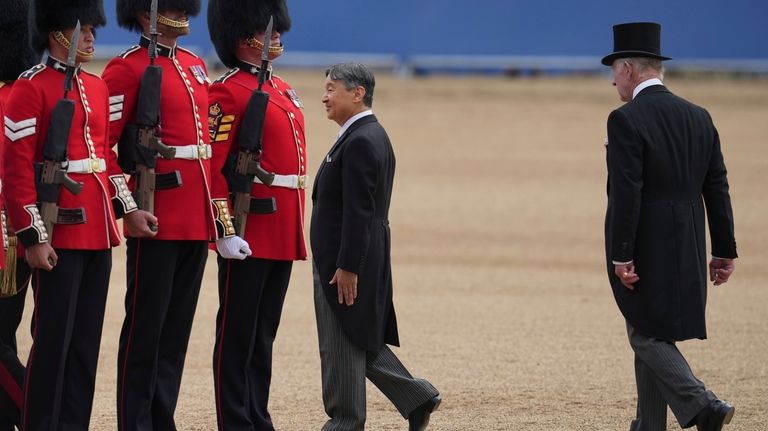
(500, 286)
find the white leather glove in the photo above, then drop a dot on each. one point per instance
(233, 247)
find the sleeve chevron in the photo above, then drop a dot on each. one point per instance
(21, 129)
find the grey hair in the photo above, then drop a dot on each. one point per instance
(644, 63)
(354, 75)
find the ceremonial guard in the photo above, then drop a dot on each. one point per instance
(15, 57)
(61, 184)
(158, 102)
(257, 118)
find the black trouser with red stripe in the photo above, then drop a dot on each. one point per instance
(11, 368)
(251, 295)
(66, 333)
(163, 285)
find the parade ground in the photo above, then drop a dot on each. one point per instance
(501, 291)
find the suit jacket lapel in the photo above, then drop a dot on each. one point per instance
(365, 120)
(352, 127)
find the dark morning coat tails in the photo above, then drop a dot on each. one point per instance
(665, 170)
(350, 230)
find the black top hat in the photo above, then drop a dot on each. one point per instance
(52, 15)
(128, 10)
(232, 20)
(15, 52)
(635, 39)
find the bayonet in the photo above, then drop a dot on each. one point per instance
(71, 59)
(265, 53)
(153, 32)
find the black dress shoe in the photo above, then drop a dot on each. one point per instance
(716, 414)
(419, 418)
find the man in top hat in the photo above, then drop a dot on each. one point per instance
(350, 241)
(164, 272)
(252, 291)
(16, 56)
(665, 170)
(68, 248)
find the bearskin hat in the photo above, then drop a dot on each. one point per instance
(232, 20)
(16, 55)
(128, 10)
(52, 15)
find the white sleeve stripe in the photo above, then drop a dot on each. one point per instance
(15, 127)
(116, 99)
(116, 107)
(15, 136)
(116, 116)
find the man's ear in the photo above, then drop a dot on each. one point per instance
(359, 93)
(628, 67)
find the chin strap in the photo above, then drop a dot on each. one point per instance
(63, 41)
(172, 22)
(274, 51)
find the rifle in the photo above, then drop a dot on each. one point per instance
(140, 144)
(51, 173)
(249, 140)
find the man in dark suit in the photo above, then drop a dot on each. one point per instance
(350, 243)
(665, 169)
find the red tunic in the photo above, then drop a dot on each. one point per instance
(187, 212)
(279, 235)
(27, 117)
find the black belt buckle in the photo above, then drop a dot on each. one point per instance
(171, 180)
(71, 216)
(263, 206)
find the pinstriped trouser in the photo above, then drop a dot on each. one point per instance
(344, 368)
(664, 378)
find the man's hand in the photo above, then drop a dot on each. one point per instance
(42, 256)
(346, 282)
(233, 247)
(140, 224)
(720, 270)
(626, 274)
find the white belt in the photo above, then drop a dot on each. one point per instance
(193, 152)
(86, 166)
(287, 181)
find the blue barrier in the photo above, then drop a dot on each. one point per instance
(408, 35)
